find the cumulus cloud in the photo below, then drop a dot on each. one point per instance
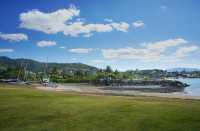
(46, 43)
(87, 35)
(6, 50)
(138, 24)
(81, 50)
(49, 23)
(163, 45)
(61, 21)
(78, 28)
(62, 47)
(108, 20)
(122, 26)
(185, 51)
(14, 37)
(130, 53)
(150, 51)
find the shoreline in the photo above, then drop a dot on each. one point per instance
(98, 90)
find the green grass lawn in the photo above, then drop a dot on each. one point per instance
(28, 109)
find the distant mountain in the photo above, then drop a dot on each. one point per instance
(183, 69)
(35, 66)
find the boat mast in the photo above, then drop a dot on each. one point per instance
(18, 75)
(25, 72)
(46, 70)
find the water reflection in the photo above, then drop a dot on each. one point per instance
(194, 88)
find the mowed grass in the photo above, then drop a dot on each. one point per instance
(29, 109)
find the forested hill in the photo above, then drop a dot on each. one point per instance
(35, 66)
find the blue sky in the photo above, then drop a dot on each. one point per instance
(125, 34)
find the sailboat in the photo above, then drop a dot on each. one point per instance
(22, 75)
(45, 78)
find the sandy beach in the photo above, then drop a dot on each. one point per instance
(98, 90)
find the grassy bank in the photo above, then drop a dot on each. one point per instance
(28, 109)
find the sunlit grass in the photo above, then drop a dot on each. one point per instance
(28, 109)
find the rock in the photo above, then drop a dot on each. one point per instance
(146, 85)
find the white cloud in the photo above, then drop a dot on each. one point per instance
(74, 59)
(81, 50)
(14, 37)
(150, 51)
(46, 43)
(6, 50)
(162, 45)
(78, 28)
(61, 21)
(49, 23)
(122, 26)
(87, 35)
(138, 24)
(185, 51)
(163, 7)
(130, 53)
(87, 30)
(108, 20)
(97, 61)
(62, 47)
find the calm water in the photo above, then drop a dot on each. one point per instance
(194, 88)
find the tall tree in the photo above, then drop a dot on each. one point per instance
(108, 69)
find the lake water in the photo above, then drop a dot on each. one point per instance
(194, 88)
